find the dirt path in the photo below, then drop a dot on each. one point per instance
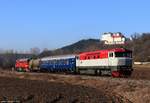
(141, 73)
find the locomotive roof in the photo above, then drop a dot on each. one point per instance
(24, 59)
(107, 50)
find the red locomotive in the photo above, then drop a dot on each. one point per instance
(22, 65)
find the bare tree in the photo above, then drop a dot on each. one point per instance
(45, 49)
(35, 51)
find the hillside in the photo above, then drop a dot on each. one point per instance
(80, 46)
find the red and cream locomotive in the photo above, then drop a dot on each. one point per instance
(116, 62)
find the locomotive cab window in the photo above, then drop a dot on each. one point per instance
(123, 54)
(111, 54)
(77, 57)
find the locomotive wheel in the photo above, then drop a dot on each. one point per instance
(98, 72)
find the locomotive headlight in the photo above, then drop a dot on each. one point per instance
(128, 62)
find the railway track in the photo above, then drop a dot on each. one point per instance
(77, 76)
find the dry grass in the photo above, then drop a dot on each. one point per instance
(145, 66)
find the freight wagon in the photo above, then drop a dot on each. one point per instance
(115, 62)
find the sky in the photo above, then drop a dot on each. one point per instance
(55, 23)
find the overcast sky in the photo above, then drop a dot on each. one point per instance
(55, 23)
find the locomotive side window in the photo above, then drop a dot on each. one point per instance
(110, 54)
(94, 57)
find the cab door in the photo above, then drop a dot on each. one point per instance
(111, 59)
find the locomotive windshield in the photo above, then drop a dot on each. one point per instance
(123, 54)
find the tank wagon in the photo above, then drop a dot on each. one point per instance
(34, 64)
(115, 62)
